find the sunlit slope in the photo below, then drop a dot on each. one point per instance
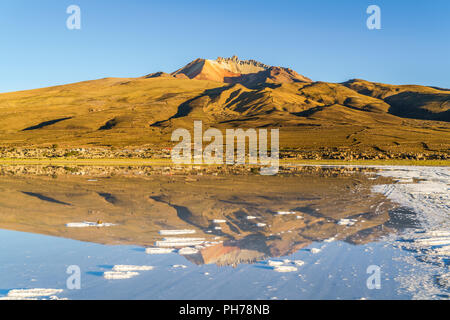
(144, 111)
(107, 111)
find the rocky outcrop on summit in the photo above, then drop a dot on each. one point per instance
(233, 70)
(241, 66)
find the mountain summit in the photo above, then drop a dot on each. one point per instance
(233, 70)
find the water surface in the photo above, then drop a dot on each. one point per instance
(324, 225)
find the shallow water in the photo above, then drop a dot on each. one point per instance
(325, 226)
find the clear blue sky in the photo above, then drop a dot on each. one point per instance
(324, 39)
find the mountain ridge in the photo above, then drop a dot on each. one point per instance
(313, 115)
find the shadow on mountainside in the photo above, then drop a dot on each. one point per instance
(46, 123)
(420, 106)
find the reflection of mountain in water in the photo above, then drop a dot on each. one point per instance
(236, 215)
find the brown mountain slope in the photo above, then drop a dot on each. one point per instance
(410, 101)
(357, 115)
(295, 100)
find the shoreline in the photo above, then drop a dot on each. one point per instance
(168, 162)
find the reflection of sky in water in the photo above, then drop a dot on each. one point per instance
(337, 271)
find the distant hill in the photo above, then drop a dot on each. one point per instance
(410, 101)
(224, 93)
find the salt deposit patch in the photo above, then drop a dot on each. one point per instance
(122, 271)
(187, 251)
(119, 275)
(274, 263)
(21, 294)
(175, 232)
(159, 250)
(286, 212)
(285, 265)
(124, 268)
(177, 239)
(87, 224)
(284, 269)
(179, 242)
(346, 222)
(298, 262)
(260, 224)
(434, 241)
(429, 198)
